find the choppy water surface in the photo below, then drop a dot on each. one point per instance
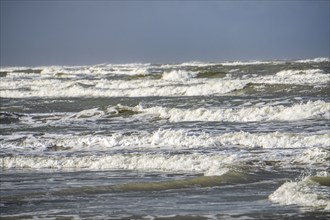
(234, 140)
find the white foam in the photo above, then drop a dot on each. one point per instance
(22, 74)
(244, 63)
(178, 82)
(314, 155)
(305, 193)
(275, 140)
(170, 139)
(293, 150)
(121, 69)
(53, 70)
(71, 71)
(313, 72)
(315, 60)
(14, 68)
(89, 114)
(316, 109)
(195, 163)
(105, 88)
(299, 77)
(198, 64)
(130, 71)
(261, 62)
(175, 75)
(164, 139)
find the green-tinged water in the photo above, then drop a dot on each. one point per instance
(117, 194)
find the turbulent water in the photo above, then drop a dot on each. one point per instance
(232, 140)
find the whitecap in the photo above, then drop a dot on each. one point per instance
(191, 163)
(311, 109)
(305, 193)
(178, 75)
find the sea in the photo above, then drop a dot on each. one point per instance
(196, 140)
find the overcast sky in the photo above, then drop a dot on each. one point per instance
(91, 32)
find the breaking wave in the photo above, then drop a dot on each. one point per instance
(309, 110)
(311, 191)
(178, 75)
(138, 80)
(119, 88)
(209, 165)
(168, 139)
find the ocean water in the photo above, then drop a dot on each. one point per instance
(197, 140)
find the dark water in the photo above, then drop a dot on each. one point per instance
(179, 141)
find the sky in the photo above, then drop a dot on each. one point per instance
(35, 33)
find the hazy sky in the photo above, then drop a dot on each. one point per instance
(91, 32)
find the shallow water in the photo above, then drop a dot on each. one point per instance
(172, 141)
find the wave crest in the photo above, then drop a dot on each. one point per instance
(316, 109)
(306, 193)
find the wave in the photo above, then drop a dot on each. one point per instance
(132, 66)
(309, 110)
(212, 163)
(314, 155)
(120, 69)
(138, 80)
(298, 77)
(311, 191)
(255, 62)
(73, 71)
(209, 165)
(315, 60)
(117, 88)
(146, 69)
(178, 75)
(164, 151)
(172, 83)
(312, 148)
(247, 63)
(275, 140)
